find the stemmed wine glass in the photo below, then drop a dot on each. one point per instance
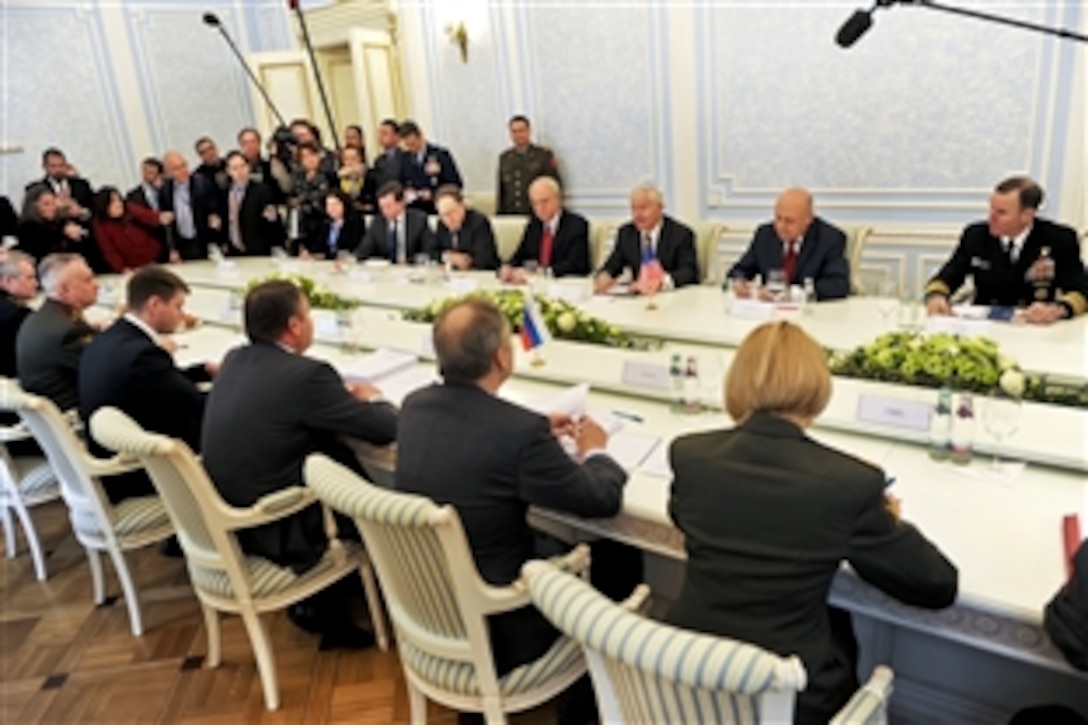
(1001, 417)
(887, 300)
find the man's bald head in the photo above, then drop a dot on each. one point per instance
(177, 168)
(793, 213)
(467, 339)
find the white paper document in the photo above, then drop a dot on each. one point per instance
(573, 402)
(657, 463)
(379, 364)
(399, 386)
(631, 449)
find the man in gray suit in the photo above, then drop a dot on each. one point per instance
(50, 344)
(460, 444)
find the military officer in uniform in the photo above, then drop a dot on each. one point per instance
(426, 167)
(519, 166)
(1016, 259)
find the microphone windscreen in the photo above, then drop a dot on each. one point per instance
(854, 28)
(211, 20)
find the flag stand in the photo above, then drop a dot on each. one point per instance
(537, 360)
(651, 301)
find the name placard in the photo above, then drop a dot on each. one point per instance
(362, 276)
(569, 292)
(750, 309)
(962, 326)
(642, 374)
(894, 412)
(463, 285)
(325, 323)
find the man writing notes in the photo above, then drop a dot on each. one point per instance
(1016, 259)
(554, 238)
(461, 444)
(464, 238)
(799, 243)
(651, 235)
(270, 408)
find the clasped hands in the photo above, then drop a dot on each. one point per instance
(586, 433)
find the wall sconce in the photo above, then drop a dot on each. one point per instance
(458, 35)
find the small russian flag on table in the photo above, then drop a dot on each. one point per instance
(534, 332)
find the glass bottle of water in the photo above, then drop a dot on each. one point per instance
(963, 430)
(940, 426)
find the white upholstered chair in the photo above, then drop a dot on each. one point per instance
(224, 578)
(508, 231)
(25, 482)
(99, 526)
(439, 604)
(644, 671)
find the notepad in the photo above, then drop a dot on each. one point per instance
(573, 402)
(398, 386)
(630, 449)
(657, 463)
(377, 365)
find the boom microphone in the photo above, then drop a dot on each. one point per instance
(211, 20)
(856, 26)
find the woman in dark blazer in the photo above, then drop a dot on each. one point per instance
(43, 230)
(769, 516)
(342, 230)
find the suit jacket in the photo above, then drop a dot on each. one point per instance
(476, 239)
(570, 247)
(436, 169)
(9, 220)
(349, 239)
(1066, 615)
(388, 166)
(418, 239)
(48, 350)
(125, 368)
(268, 410)
(138, 195)
(259, 234)
(204, 199)
(675, 251)
(768, 516)
(78, 188)
(491, 460)
(12, 316)
(821, 257)
(1001, 282)
(40, 238)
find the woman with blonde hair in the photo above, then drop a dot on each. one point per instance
(769, 515)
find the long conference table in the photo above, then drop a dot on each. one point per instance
(976, 661)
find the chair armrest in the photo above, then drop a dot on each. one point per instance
(515, 595)
(272, 507)
(870, 699)
(638, 601)
(120, 463)
(12, 433)
(575, 561)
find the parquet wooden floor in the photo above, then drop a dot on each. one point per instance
(63, 660)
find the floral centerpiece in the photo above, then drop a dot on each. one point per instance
(946, 360)
(564, 320)
(320, 297)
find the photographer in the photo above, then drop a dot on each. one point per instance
(310, 186)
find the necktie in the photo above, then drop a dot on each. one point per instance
(393, 242)
(183, 211)
(1010, 251)
(234, 218)
(334, 238)
(789, 261)
(648, 247)
(547, 241)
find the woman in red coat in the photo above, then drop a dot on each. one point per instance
(124, 231)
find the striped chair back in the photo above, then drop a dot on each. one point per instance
(644, 671)
(426, 570)
(215, 561)
(88, 507)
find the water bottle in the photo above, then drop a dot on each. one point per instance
(963, 430)
(676, 383)
(810, 294)
(691, 388)
(940, 426)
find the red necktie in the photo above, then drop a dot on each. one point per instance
(789, 262)
(546, 247)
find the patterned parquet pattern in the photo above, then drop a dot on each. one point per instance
(63, 660)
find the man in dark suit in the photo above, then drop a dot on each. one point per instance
(146, 193)
(213, 168)
(1016, 259)
(651, 234)
(9, 220)
(50, 343)
(194, 201)
(252, 220)
(74, 194)
(555, 238)
(458, 443)
(464, 238)
(128, 367)
(427, 166)
(270, 408)
(390, 162)
(18, 285)
(800, 244)
(397, 233)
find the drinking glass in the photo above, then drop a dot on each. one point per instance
(1001, 418)
(530, 266)
(887, 300)
(776, 283)
(345, 261)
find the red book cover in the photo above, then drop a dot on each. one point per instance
(1072, 539)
